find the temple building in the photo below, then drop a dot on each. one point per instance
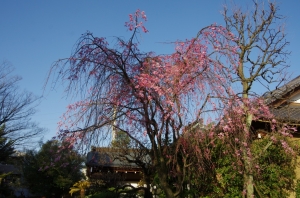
(101, 164)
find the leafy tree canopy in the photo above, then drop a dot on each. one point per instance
(52, 169)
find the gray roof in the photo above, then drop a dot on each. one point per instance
(287, 113)
(7, 168)
(280, 92)
(108, 157)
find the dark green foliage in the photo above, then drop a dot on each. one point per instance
(5, 189)
(122, 140)
(53, 169)
(222, 176)
(275, 172)
(6, 145)
(297, 190)
(105, 194)
(229, 179)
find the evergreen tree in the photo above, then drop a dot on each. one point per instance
(53, 169)
(6, 145)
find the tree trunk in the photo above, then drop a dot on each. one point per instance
(147, 192)
(248, 175)
(249, 185)
(166, 187)
(82, 193)
(163, 178)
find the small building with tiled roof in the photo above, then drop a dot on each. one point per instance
(284, 102)
(110, 169)
(9, 168)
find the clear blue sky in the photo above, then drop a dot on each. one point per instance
(34, 34)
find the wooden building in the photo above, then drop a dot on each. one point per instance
(111, 169)
(284, 103)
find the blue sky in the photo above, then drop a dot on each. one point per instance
(34, 34)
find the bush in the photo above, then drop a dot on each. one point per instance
(104, 194)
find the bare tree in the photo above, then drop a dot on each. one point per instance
(16, 109)
(262, 54)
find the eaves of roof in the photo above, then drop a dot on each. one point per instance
(8, 168)
(280, 104)
(282, 92)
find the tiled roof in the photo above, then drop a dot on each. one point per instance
(288, 112)
(107, 159)
(6, 168)
(282, 91)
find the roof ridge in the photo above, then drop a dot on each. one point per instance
(277, 93)
(294, 79)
